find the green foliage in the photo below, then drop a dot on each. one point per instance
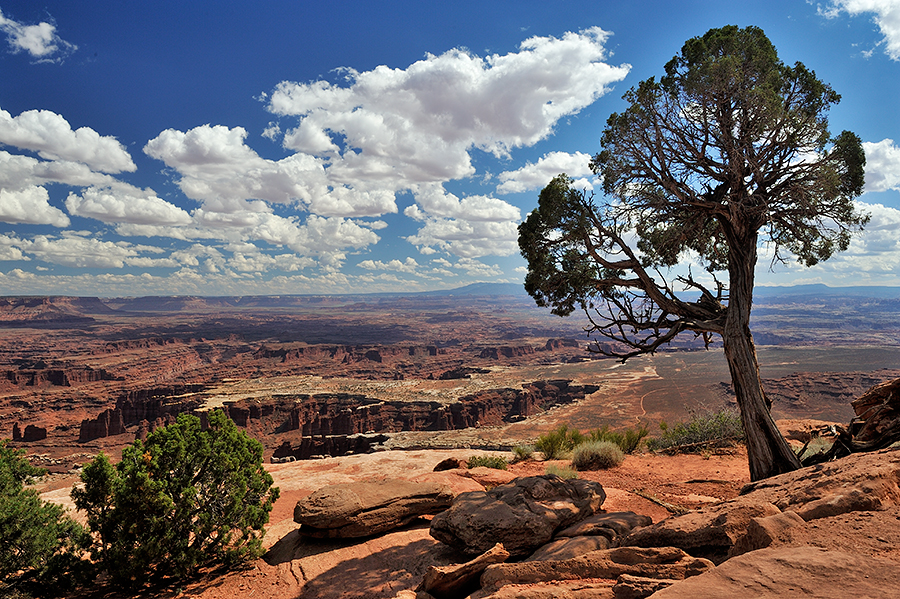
(522, 453)
(597, 455)
(184, 499)
(488, 461)
(38, 541)
(561, 471)
(628, 440)
(558, 443)
(702, 431)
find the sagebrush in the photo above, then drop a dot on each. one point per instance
(709, 429)
(522, 453)
(559, 442)
(628, 440)
(597, 455)
(561, 471)
(488, 461)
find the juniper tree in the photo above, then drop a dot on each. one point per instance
(186, 498)
(728, 150)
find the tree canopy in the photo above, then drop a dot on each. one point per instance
(38, 541)
(185, 498)
(728, 150)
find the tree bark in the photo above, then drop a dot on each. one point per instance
(767, 451)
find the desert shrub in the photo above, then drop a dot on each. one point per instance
(489, 461)
(628, 440)
(522, 453)
(39, 543)
(597, 455)
(701, 431)
(560, 471)
(557, 443)
(185, 498)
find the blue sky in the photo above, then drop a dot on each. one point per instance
(238, 148)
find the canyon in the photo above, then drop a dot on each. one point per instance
(324, 375)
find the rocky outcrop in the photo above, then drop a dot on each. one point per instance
(659, 563)
(346, 354)
(53, 311)
(792, 572)
(506, 351)
(32, 433)
(857, 483)
(348, 414)
(150, 407)
(336, 445)
(523, 515)
(364, 509)
(457, 580)
(60, 377)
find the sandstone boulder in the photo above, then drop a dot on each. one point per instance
(607, 524)
(450, 463)
(488, 477)
(523, 515)
(638, 587)
(662, 563)
(361, 509)
(709, 532)
(792, 572)
(457, 579)
(762, 532)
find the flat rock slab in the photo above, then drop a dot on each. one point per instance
(361, 509)
(523, 515)
(663, 562)
(792, 572)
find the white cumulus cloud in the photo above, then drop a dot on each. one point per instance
(882, 165)
(408, 266)
(30, 205)
(40, 41)
(125, 204)
(537, 175)
(390, 129)
(886, 16)
(80, 251)
(51, 136)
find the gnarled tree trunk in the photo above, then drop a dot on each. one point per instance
(767, 450)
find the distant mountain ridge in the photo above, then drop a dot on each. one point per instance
(23, 308)
(820, 290)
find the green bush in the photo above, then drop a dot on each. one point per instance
(184, 499)
(628, 441)
(558, 443)
(560, 471)
(597, 455)
(522, 453)
(701, 431)
(39, 543)
(489, 461)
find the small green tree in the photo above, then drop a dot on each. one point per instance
(185, 498)
(37, 540)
